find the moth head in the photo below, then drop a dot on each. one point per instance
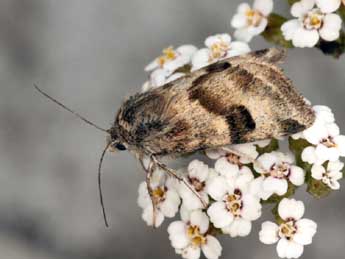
(113, 141)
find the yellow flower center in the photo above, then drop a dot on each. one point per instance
(313, 20)
(287, 229)
(234, 203)
(169, 54)
(158, 194)
(193, 233)
(219, 50)
(254, 17)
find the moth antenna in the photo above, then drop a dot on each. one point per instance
(68, 109)
(100, 184)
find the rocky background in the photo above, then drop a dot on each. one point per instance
(91, 54)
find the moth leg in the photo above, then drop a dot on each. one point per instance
(238, 153)
(172, 173)
(149, 172)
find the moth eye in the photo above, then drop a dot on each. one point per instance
(120, 147)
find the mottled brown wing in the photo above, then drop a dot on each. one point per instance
(238, 100)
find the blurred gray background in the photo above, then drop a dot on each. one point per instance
(91, 54)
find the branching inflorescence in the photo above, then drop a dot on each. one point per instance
(245, 177)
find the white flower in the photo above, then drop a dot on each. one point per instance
(293, 233)
(327, 143)
(330, 176)
(245, 153)
(198, 175)
(165, 197)
(312, 23)
(235, 206)
(161, 77)
(218, 47)
(173, 59)
(190, 237)
(250, 22)
(277, 169)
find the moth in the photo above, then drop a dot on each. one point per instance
(237, 100)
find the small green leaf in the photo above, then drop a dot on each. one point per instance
(333, 48)
(273, 32)
(297, 146)
(272, 146)
(275, 213)
(341, 12)
(291, 2)
(318, 189)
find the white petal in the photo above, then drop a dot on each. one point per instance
(290, 208)
(169, 207)
(239, 21)
(275, 185)
(289, 28)
(251, 207)
(328, 6)
(289, 249)
(249, 150)
(219, 215)
(177, 234)
(264, 6)
(256, 189)
(335, 166)
(297, 175)
(215, 153)
(191, 252)
(147, 216)
(340, 142)
(225, 168)
(198, 169)
(152, 66)
(269, 233)
(187, 50)
(243, 8)
(308, 155)
(243, 34)
(316, 132)
(317, 172)
(200, 219)
(217, 187)
(301, 8)
(212, 249)
(238, 48)
(330, 30)
(266, 161)
(200, 59)
(305, 38)
(143, 196)
(306, 229)
(324, 153)
(238, 228)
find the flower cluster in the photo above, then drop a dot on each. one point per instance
(224, 194)
(242, 179)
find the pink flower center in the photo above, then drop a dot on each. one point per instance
(288, 229)
(280, 171)
(328, 142)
